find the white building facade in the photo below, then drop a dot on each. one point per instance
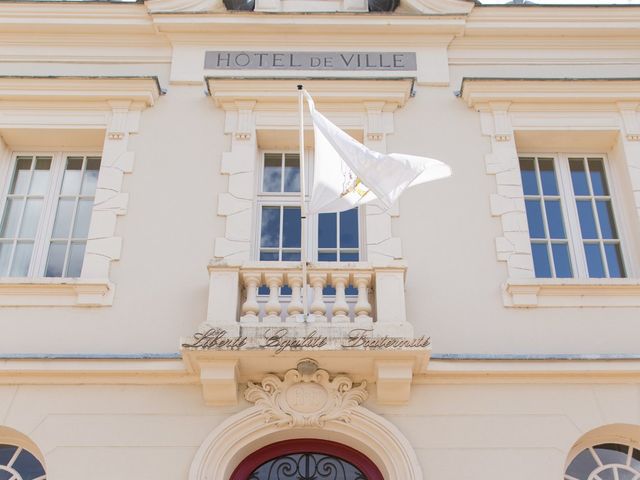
(485, 327)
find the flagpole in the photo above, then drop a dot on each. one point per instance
(303, 209)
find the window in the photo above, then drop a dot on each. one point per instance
(335, 236)
(605, 461)
(16, 463)
(46, 214)
(571, 219)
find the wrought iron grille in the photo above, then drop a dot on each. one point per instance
(307, 466)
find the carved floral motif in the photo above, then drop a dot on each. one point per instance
(306, 399)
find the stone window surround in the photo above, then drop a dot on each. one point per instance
(68, 105)
(508, 107)
(252, 105)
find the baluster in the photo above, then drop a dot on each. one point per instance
(273, 307)
(340, 307)
(363, 307)
(250, 307)
(317, 308)
(295, 308)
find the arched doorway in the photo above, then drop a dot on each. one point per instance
(306, 459)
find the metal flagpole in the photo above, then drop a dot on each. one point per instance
(303, 208)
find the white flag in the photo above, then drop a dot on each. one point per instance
(347, 174)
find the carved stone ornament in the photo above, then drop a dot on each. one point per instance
(306, 398)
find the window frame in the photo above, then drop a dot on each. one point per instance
(570, 213)
(44, 231)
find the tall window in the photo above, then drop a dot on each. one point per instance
(571, 218)
(46, 214)
(336, 236)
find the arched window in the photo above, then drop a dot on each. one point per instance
(307, 459)
(606, 461)
(17, 463)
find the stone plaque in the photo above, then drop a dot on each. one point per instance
(345, 61)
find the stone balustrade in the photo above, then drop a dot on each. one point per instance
(344, 295)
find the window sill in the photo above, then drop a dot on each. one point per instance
(571, 292)
(55, 292)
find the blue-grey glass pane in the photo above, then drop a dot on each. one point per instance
(40, 178)
(578, 176)
(534, 219)
(291, 228)
(327, 256)
(598, 177)
(285, 290)
(612, 453)
(263, 290)
(5, 257)
(349, 229)
(582, 465)
(541, 260)
(272, 175)
(625, 474)
(269, 256)
(55, 259)
(555, 221)
(635, 459)
(561, 260)
(351, 290)
(587, 222)
(594, 260)
(270, 228)
(83, 218)
(4, 475)
(28, 466)
(548, 176)
(64, 215)
(292, 172)
(6, 453)
(76, 257)
(290, 256)
(90, 179)
(21, 176)
(607, 474)
(30, 218)
(528, 174)
(72, 176)
(349, 256)
(11, 217)
(21, 259)
(614, 261)
(327, 230)
(605, 215)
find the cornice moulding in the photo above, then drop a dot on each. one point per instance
(145, 90)
(477, 91)
(55, 292)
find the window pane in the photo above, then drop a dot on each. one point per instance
(21, 176)
(625, 475)
(554, 219)
(72, 176)
(40, 179)
(534, 219)
(327, 257)
(598, 178)
(28, 466)
(541, 260)
(55, 260)
(606, 474)
(62, 224)
(635, 459)
(11, 217)
(605, 216)
(349, 256)
(349, 229)
(31, 218)
(561, 260)
(269, 256)
(76, 257)
(290, 256)
(21, 259)
(582, 465)
(578, 176)
(291, 227)
(548, 176)
(272, 175)
(612, 453)
(5, 256)
(614, 260)
(292, 172)
(270, 231)
(6, 453)
(587, 222)
(594, 260)
(83, 217)
(528, 174)
(327, 230)
(91, 176)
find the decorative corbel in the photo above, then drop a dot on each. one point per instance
(629, 113)
(118, 123)
(246, 124)
(502, 130)
(375, 121)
